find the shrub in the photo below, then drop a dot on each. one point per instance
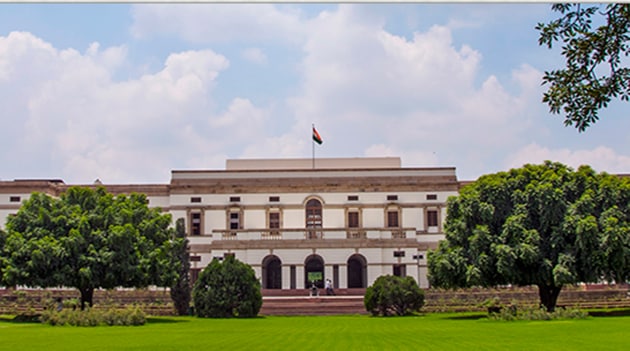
(93, 317)
(392, 295)
(537, 314)
(227, 289)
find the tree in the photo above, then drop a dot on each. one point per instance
(543, 225)
(393, 295)
(227, 289)
(87, 239)
(594, 72)
(180, 291)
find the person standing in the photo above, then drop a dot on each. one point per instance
(329, 288)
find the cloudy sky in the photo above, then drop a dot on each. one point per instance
(126, 93)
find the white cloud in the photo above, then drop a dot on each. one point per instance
(255, 55)
(75, 118)
(420, 96)
(424, 96)
(602, 159)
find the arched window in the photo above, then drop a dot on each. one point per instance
(314, 218)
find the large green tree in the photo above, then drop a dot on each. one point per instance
(594, 41)
(87, 239)
(543, 225)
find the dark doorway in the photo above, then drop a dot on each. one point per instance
(272, 272)
(314, 271)
(357, 271)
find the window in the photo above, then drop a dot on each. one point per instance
(431, 196)
(399, 253)
(235, 220)
(195, 199)
(14, 199)
(274, 198)
(274, 222)
(195, 223)
(432, 218)
(314, 218)
(392, 219)
(400, 270)
(392, 197)
(353, 198)
(235, 198)
(353, 219)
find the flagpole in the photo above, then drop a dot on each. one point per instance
(313, 145)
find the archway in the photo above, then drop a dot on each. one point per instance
(272, 272)
(314, 271)
(357, 271)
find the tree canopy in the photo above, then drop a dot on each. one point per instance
(543, 225)
(227, 288)
(594, 42)
(181, 289)
(87, 239)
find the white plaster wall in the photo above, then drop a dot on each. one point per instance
(373, 217)
(214, 219)
(412, 217)
(159, 201)
(175, 215)
(293, 218)
(254, 219)
(334, 218)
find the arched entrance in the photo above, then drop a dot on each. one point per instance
(314, 271)
(314, 218)
(357, 271)
(272, 272)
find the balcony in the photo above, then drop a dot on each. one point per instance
(314, 234)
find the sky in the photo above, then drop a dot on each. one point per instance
(125, 93)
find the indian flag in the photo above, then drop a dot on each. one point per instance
(316, 137)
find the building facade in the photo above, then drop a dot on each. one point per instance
(298, 222)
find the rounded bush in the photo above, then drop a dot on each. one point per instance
(227, 289)
(392, 295)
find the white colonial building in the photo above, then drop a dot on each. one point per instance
(296, 221)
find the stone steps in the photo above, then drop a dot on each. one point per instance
(315, 305)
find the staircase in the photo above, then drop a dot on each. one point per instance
(300, 302)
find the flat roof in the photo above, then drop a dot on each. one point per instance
(312, 163)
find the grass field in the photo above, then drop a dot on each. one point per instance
(429, 332)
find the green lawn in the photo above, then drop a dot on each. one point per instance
(430, 332)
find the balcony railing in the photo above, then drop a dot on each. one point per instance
(315, 233)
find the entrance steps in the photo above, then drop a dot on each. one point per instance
(299, 302)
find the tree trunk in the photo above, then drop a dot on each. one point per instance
(86, 296)
(549, 296)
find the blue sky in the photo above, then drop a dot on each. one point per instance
(128, 92)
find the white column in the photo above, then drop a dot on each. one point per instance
(328, 272)
(299, 276)
(343, 276)
(286, 277)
